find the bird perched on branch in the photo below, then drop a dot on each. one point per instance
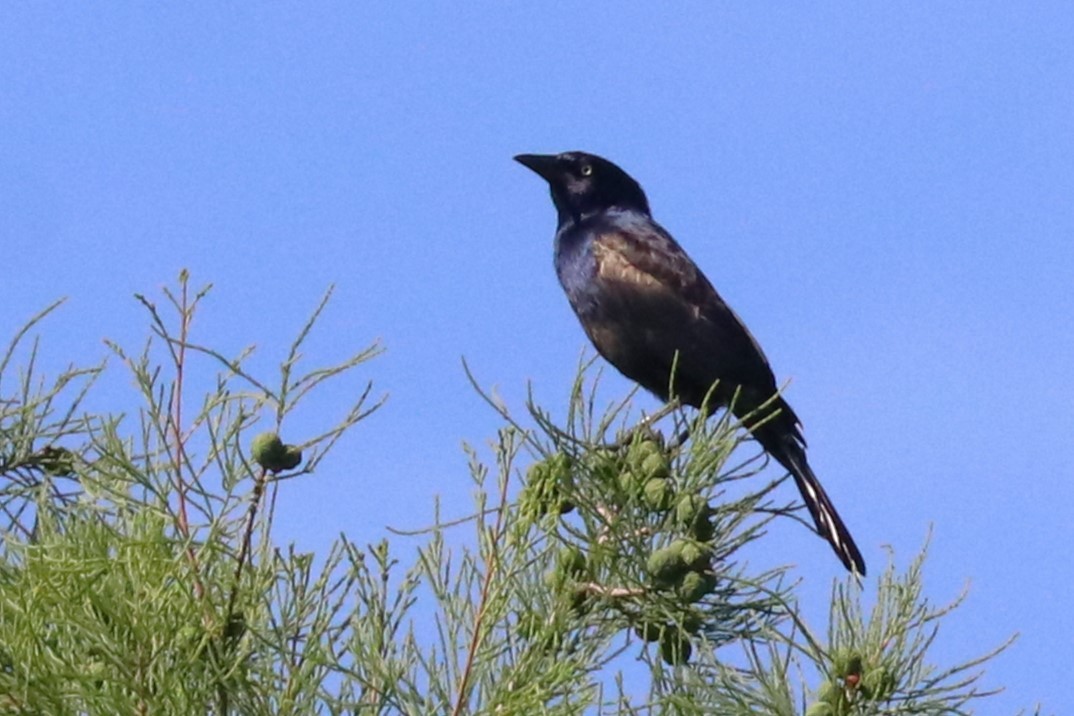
(650, 312)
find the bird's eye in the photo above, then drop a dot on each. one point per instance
(587, 170)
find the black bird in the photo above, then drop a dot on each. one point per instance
(647, 307)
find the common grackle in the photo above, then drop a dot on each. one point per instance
(650, 311)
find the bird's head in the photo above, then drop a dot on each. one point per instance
(584, 184)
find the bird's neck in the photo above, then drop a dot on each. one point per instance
(571, 219)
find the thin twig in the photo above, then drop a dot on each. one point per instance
(486, 588)
(179, 458)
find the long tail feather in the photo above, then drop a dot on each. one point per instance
(781, 440)
(829, 523)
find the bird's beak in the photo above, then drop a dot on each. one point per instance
(544, 165)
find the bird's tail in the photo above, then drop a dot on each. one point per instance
(829, 523)
(786, 447)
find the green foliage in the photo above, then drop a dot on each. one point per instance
(139, 571)
(880, 664)
(100, 616)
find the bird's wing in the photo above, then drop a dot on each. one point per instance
(644, 262)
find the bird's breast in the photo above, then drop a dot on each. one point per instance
(576, 269)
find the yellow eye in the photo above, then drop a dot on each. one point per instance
(587, 170)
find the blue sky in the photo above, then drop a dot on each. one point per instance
(885, 194)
